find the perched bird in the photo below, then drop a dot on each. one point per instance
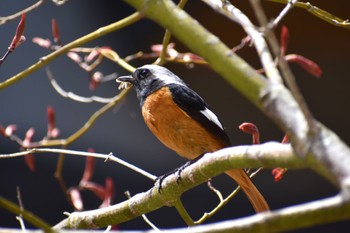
(183, 122)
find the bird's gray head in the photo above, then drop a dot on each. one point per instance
(149, 78)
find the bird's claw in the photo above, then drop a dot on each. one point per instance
(177, 172)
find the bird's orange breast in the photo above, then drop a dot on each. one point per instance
(175, 128)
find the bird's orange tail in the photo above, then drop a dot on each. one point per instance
(255, 197)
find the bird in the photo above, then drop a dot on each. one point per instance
(183, 121)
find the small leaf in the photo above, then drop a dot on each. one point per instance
(75, 57)
(75, 198)
(45, 43)
(10, 129)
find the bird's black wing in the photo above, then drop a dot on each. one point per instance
(190, 102)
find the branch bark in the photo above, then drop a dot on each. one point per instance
(317, 212)
(268, 155)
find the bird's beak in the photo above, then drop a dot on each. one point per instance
(125, 81)
(128, 79)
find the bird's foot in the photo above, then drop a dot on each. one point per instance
(177, 171)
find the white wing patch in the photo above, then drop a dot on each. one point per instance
(212, 117)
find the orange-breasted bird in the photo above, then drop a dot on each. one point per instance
(183, 121)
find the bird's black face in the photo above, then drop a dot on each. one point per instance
(144, 81)
(149, 78)
(138, 78)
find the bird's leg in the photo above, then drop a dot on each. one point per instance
(176, 171)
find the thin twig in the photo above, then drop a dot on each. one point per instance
(166, 40)
(20, 204)
(71, 95)
(284, 67)
(28, 216)
(321, 14)
(222, 201)
(180, 208)
(229, 10)
(154, 227)
(5, 19)
(283, 13)
(106, 157)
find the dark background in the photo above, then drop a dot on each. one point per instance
(122, 130)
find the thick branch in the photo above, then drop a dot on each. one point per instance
(267, 155)
(318, 212)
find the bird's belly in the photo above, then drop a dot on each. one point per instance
(175, 129)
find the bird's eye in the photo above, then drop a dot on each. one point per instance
(144, 73)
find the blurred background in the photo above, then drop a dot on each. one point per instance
(122, 130)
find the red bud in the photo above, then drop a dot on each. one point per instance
(252, 129)
(52, 131)
(97, 189)
(89, 169)
(284, 40)
(285, 139)
(28, 138)
(29, 159)
(109, 192)
(55, 32)
(305, 63)
(18, 39)
(2, 130)
(278, 173)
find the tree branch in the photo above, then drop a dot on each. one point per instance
(322, 14)
(289, 218)
(28, 216)
(18, 14)
(210, 165)
(106, 157)
(71, 95)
